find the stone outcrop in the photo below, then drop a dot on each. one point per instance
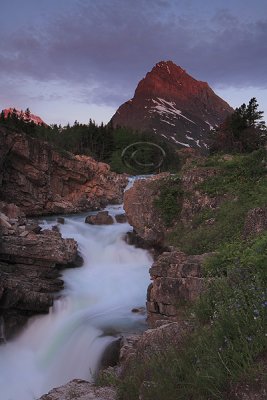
(151, 341)
(30, 263)
(79, 389)
(140, 210)
(176, 280)
(43, 180)
(101, 218)
(175, 106)
(146, 219)
(255, 222)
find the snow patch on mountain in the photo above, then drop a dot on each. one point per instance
(211, 126)
(167, 109)
(181, 143)
(167, 122)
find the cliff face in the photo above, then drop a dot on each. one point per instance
(174, 106)
(30, 262)
(43, 180)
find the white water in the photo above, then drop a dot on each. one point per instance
(97, 300)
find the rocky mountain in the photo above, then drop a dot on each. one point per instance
(173, 105)
(26, 116)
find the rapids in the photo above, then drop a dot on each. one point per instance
(94, 307)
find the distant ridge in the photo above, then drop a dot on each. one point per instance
(24, 115)
(174, 106)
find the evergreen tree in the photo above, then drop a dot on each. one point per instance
(243, 131)
(27, 112)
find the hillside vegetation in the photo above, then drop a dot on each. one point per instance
(229, 337)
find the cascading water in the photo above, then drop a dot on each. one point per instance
(96, 303)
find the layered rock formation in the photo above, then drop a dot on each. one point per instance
(176, 280)
(174, 106)
(30, 263)
(42, 180)
(176, 277)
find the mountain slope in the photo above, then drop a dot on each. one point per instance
(174, 105)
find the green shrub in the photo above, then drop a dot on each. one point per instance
(230, 332)
(241, 185)
(169, 199)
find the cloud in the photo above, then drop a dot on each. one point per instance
(106, 47)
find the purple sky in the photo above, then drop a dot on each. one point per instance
(80, 59)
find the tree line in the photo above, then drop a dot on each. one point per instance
(102, 142)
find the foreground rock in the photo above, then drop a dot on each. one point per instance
(101, 218)
(80, 390)
(176, 280)
(30, 263)
(42, 180)
(152, 341)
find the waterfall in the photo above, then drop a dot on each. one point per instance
(95, 305)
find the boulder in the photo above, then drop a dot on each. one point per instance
(121, 218)
(101, 218)
(152, 340)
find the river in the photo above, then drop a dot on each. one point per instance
(93, 309)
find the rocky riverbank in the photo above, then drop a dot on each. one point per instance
(30, 264)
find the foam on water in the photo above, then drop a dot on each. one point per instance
(97, 300)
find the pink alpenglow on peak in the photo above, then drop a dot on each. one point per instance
(26, 115)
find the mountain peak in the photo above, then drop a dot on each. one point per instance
(168, 65)
(173, 104)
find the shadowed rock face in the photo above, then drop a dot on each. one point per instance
(41, 180)
(174, 106)
(30, 263)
